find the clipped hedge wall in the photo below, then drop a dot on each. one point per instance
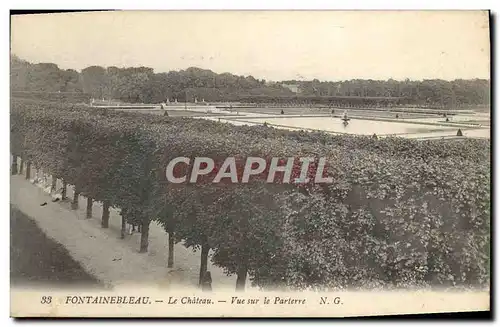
(399, 213)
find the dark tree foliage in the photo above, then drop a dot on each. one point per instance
(143, 85)
(431, 92)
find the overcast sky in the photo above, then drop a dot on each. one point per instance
(328, 45)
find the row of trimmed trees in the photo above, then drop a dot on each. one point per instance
(395, 211)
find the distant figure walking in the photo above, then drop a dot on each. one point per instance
(206, 283)
(282, 112)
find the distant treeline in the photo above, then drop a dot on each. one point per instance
(142, 84)
(139, 84)
(435, 92)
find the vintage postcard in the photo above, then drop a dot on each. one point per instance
(250, 163)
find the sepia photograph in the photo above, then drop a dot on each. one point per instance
(259, 163)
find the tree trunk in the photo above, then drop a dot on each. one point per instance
(144, 235)
(123, 229)
(28, 170)
(205, 248)
(170, 262)
(64, 192)
(241, 279)
(74, 203)
(20, 172)
(105, 215)
(54, 184)
(124, 225)
(89, 207)
(14, 165)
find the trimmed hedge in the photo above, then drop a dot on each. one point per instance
(399, 213)
(71, 97)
